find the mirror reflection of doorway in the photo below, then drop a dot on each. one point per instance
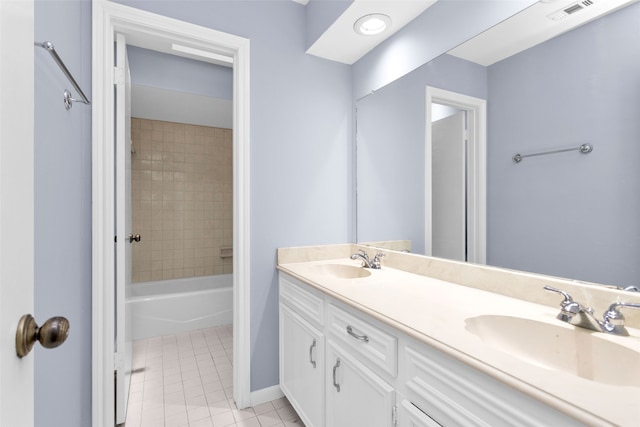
(449, 187)
(455, 176)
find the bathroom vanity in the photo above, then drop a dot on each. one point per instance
(429, 342)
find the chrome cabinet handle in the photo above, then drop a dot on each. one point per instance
(313, 362)
(356, 336)
(335, 368)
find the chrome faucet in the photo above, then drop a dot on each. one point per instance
(366, 262)
(575, 314)
(614, 320)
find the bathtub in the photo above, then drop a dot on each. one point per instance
(179, 305)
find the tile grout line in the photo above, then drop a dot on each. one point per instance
(185, 380)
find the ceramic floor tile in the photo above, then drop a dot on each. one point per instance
(264, 408)
(243, 414)
(197, 413)
(205, 422)
(249, 422)
(177, 420)
(269, 419)
(185, 380)
(287, 413)
(223, 420)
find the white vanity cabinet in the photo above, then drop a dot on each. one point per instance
(340, 367)
(331, 369)
(302, 366)
(356, 396)
(302, 352)
(411, 416)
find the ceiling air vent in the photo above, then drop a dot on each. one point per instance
(570, 10)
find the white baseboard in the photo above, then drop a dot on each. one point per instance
(265, 395)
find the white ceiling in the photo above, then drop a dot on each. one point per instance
(520, 32)
(341, 43)
(531, 27)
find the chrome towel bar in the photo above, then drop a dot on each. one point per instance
(584, 148)
(68, 99)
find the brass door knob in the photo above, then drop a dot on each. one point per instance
(50, 335)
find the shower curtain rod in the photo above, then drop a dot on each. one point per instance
(584, 148)
(68, 100)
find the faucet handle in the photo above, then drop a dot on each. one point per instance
(376, 261)
(364, 253)
(614, 319)
(568, 307)
(567, 298)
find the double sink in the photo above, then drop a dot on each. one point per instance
(543, 342)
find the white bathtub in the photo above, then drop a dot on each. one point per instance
(180, 305)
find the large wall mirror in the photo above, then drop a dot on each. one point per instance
(568, 213)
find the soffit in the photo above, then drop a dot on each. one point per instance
(341, 43)
(534, 25)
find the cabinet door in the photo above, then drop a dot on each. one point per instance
(302, 366)
(356, 396)
(410, 416)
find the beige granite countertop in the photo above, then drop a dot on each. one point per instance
(435, 312)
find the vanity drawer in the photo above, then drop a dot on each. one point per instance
(452, 393)
(371, 342)
(301, 300)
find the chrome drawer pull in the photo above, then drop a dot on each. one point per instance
(356, 336)
(313, 362)
(335, 368)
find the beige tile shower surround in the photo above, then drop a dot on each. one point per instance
(182, 197)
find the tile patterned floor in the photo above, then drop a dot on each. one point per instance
(185, 380)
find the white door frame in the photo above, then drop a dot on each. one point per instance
(16, 207)
(476, 109)
(143, 26)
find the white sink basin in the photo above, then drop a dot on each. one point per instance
(576, 351)
(341, 271)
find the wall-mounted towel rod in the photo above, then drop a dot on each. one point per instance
(584, 148)
(68, 99)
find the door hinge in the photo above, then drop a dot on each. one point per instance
(118, 361)
(394, 415)
(118, 76)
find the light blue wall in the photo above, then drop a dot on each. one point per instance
(569, 214)
(63, 214)
(320, 14)
(301, 149)
(301, 177)
(440, 28)
(161, 70)
(391, 151)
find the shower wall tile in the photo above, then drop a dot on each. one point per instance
(182, 199)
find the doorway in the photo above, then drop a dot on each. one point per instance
(459, 177)
(161, 34)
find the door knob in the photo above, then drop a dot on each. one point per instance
(134, 238)
(50, 335)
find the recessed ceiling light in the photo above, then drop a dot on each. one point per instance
(372, 24)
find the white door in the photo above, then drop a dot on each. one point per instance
(449, 228)
(123, 227)
(356, 396)
(302, 366)
(16, 207)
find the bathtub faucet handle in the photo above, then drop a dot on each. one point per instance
(134, 238)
